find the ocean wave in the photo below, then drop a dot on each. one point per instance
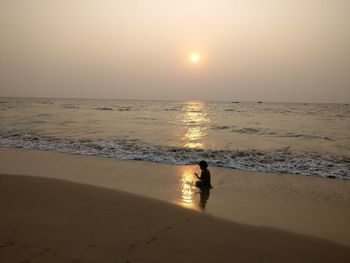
(113, 108)
(267, 132)
(104, 108)
(220, 127)
(173, 109)
(70, 106)
(275, 161)
(233, 109)
(7, 106)
(247, 130)
(45, 102)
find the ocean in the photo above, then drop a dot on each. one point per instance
(298, 138)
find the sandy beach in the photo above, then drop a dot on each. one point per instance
(126, 211)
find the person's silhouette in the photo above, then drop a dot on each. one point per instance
(204, 179)
(204, 184)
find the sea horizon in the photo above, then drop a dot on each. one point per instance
(173, 100)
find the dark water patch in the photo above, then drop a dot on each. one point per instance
(120, 108)
(124, 108)
(194, 111)
(70, 106)
(8, 107)
(247, 130)
(144, 118)
(173, 109)
(104, 108)
(303, 136)
(338, 116)
(45, 102)
(44, 115)
(270, 133)
(219, 127)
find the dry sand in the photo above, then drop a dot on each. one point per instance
(50, 220)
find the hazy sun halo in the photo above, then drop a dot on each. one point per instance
(195, 58)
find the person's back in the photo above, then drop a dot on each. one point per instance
(205, 177)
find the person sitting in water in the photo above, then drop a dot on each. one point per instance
(204, 179)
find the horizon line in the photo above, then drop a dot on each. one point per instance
(182, 100)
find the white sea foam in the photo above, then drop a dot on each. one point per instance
(280, 160)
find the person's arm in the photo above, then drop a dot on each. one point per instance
(197, 176)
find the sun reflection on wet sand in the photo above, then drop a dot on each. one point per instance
(196, 119)
(187, 188)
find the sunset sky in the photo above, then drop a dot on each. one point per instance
(243, 50)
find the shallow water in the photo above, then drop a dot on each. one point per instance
(309, 139)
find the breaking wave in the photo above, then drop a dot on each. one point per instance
(276, 161)
(267, 132)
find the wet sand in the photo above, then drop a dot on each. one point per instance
(282, 218)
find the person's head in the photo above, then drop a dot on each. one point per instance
(203, 165)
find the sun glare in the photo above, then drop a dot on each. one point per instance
(195, 58)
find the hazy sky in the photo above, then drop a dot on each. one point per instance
(282, 50)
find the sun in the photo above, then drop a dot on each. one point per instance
(195, 58)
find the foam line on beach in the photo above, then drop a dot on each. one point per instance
(283, 160)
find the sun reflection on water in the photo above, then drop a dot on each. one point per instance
(196, 119)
